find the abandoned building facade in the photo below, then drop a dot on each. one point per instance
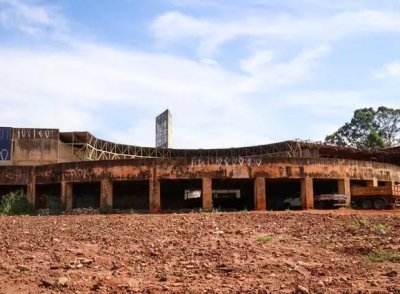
(89, 172)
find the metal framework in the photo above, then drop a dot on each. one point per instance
(89, 148)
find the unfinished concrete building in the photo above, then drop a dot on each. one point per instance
(89, 172)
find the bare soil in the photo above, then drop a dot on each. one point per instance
(247, 252)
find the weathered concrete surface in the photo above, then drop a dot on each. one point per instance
(35, 146)
(106, 193)
(207, 193)
(155, 170)
(307, 193)
(155, 193)
(260, 202)
(344, 188)
(66, 194)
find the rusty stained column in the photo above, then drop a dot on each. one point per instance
(155, 193)
(66, 194)
(260, 201)
(207, 203)
(372, 183)
(31, 189)
(307, 193)
(344, 188)
(106, 192)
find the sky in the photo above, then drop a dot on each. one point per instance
(232, 72)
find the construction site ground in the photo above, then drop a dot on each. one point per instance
(342, 251)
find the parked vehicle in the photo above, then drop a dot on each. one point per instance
(320, 201)
(376, 197)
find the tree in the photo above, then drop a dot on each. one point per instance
(369, 128)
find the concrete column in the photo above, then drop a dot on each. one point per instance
(206, 195)
(155, 195)
(106, 193)
(31, 189)
(372, 183)
(344, 188)
(260, 201)
(66, 194)
(307, 193)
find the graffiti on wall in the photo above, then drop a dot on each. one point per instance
(5, 143)
(36, 134)
(226, 161)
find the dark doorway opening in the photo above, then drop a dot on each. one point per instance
(325, 186)
(46, 191)
(233, 194)
(86, 195)
(6, 189)
(181, 194)
(283, 194)
(131, 195)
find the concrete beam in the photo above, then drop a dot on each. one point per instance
(106, 193)
(260, 201)
(344, 188)
(307, 193)
(66, 194)
(207, 203)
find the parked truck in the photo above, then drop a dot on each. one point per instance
(322, 201)
(380, 197)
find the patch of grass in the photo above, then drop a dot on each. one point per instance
(16, 203)
(379, 229)
(380, 255)
(354, 226)
(216, 209)
(264, 239)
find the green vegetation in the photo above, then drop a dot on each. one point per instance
(369, 128)
(379, 255)
(16, 203)
(264, 239)
(55, 204)
(379, 229)
(107, 209)
(364, 223)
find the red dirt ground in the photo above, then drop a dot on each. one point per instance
(302, 252)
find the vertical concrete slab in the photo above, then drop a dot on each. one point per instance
(31, 189)
(260, 201)
(66, 194)
(155, 195)
(372, 183)
(344, 188)
(206, 196)
(106, 193)
(307, 193)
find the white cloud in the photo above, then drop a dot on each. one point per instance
(29, 18)
(390, 70)
(173, 27)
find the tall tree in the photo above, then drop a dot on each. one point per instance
(369, 128)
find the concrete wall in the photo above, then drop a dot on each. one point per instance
(35, 146)
(206, 169)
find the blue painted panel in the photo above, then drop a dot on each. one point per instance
(5, 143)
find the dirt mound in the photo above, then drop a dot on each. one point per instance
(248, 252)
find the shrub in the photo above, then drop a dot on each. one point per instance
(55, 204)
(16, 203)
(107, 209)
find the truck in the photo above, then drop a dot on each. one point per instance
(331, 200)
(380, 197)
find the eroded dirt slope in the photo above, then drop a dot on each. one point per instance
(249, 252)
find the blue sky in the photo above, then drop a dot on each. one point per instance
(232, 73)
